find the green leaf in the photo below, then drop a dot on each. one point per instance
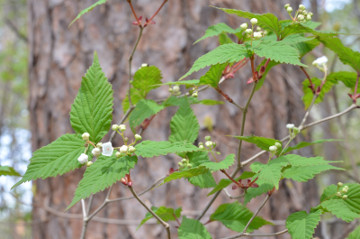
(150, 149)
(166, 214)
(146, 79)
(135, 98)
(54, 159)
(302, 225)
(224, 39)
(295, 28)
(278, 51)
(192, 229)
(262, 142)
(305, 173)
(267, 21)
(224, 164)
(235, 216)
(354, 234)
(254, 192)
(184, 125)
(340, 209)
(226, 182)
(347, 78)
(211, 102)
(187, 173)
(205, 180)
(227, 53)
(270, 65)
(296, 38)
(8, 171)
(306, 144)
(143, 110)
(308, 94)
(345, 54)
(183, 82)
(102, 174)
(88, 9)
(92, 109)
(213, 75)
(216, 30)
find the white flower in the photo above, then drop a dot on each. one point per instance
(83, 158)
(253, 21)
(257, 34)
(273, 148)
(85, 136)
(249, 31)
(122, 127)
(124, 149)
(244, 26)
(290, 126)
(107, 149)
(320, 61)
(144, 65)
(132, 149)
(96, 152)
(138, 137)
(289, 9)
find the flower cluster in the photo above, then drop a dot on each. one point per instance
(301, 15)
(250, 32)
(184, 164)
(175, 90)
(293, 131)
(341, 190)
(274, 148)
(209, 145)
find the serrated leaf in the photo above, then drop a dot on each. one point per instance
(166, 214)
(305, 173)
(267, 21)
(227, 53)
(205, 180)
(150, 149)
(221, 185)
(192, 229)
(235, 216)
(347, 78)
(88, 9)
(301, 225)
(187, 173)
(308, 94)
(262, 142)
(213, 75)
(55, 159)
(224, 164)
(146, 79)
(135, 98)
(339, 209)
(225, 39)
(294, 28)
(183, 82)
(254, 192)
(296, 38)
(277, 51)
(103, 173)
(93, 106)
(354, 234)
(143, 110)
(8, 171)
(216, 30)
(184, 125)
(306, 144)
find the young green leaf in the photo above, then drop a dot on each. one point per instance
(254, 192)
(8, 171)
(224, 164)
(308, 94)
(166, 214)
(216, 30)
(184, 125)
(305, 173)
(227, 53)
(262, 142)
(213, 75)
(301, 225)
(135, 98)
(92, 109)
(192, 229)
(187, 173)
(347, 78)
(54, 159)
(150, 149)
(88, 9)
(144, 109)
(102, 174)
(340, 209)
(235, 216)
(205, 180)
(354, 234)
(146, 79)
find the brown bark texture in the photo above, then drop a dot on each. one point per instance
(59, 57)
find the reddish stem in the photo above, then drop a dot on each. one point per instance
(134, 13)
(225, 95)
(308, 77)
(255, 78)
(355, 95)
(233, 180)
(157, 11)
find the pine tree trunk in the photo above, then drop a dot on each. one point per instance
(59, 57)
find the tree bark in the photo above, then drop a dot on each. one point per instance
(59, 57)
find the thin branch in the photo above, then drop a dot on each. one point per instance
(256, 213)
(257, 235)
(157, 11)
(17, 32)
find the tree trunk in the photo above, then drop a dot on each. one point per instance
(59, 57)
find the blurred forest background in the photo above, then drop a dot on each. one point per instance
(15, 145)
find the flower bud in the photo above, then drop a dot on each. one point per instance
(289, 9)
(248, 31)
(338, 194)
(83, 158)
(345, 197)
(273, 148)
(244, 26)
(208, 138)
(286, 6)
(340, 184)
(96, 152)
(208, 144)
(85, 136)
(144, 65)
(278, 145)
(124, 149)
(254, 21)
(138, 137)
(176, 88)
(118, 154)
(345, 189)
(300, 17)
(290, 126)
(89, 163)
(132, 149)
(302, 7)
(257, 35)
(308, 17)
(99, 145)
(122, 127)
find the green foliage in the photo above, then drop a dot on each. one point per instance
(88, 9)
(143, 110)
(347, 78)
(227, 53)
(166, 214)
(192, 229)
(146, 79)
(8, 171)
(224, 164)
(301, 225)
(235, 216)
(102, 174)
(184, 125)
(216, 30)
(93, 105)
(262, 142)
(213, 75)
(254, 192)
(188, 173)
(305, 173)
(54, 159)
(150, 149)
(354, 234)
(205, 180)
(306, 144)
(135, 96)
(308, 94)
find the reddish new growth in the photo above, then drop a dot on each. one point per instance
(148, 21)
(247, 184)
(126, 180)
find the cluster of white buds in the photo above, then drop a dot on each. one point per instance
(85, 136)
(274, 148)
(175, 90)
(301, 15)
(251, 32)
(125, 150)
(208, 143)
(184, 164)
(293, 131)
(341, 193)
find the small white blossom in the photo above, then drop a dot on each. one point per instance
(132, 149)
(345, 196)
(345, 189)
(124, 149)
(107, 149)
(208, 144)
(257, 34)
(338, 194)
(254, 21)
(320, 61)
(83, 158)
(201, 146)
(308, 17)
(85, 136)
(144, 65)
(244, 26)
(118, 154)
(138, 137)
(96, 152)
(273, 148)
(122, 127)
(290, 126)
(289, 9)
(115, 127)
(249, 31)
